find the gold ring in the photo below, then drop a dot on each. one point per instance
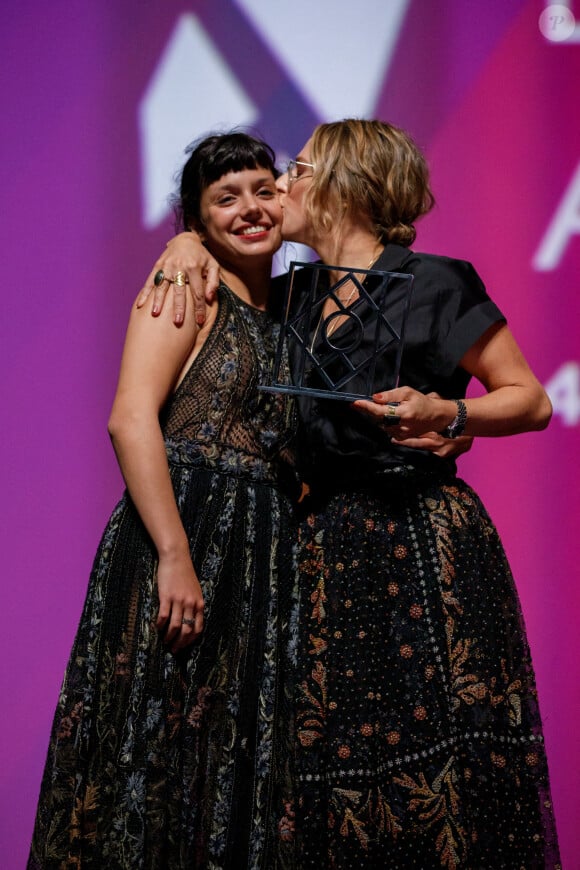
(390, 417)
(180, 279)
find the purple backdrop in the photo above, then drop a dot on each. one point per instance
(98, 101)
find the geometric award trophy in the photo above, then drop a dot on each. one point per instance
(334, 357)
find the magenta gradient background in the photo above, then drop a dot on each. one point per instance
(495, 106)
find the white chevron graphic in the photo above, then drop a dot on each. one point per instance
(338, 54)
(192, 92)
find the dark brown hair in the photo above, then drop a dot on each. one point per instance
(209, 159)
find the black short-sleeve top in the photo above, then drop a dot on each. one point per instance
(449, 311)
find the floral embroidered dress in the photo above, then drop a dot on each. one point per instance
(182, 761)
(419, 735)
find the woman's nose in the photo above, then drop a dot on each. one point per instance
(282, 183)
(252, 205)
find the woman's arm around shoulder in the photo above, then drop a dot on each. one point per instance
(183, 253)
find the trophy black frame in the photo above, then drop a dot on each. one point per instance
(302, 324)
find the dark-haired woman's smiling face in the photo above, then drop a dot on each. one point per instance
(242, 215)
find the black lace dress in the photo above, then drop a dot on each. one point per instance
(419, 735)
(181, 761)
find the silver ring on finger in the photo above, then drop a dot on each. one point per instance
(188, 620)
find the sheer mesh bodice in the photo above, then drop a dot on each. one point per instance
(217, 405)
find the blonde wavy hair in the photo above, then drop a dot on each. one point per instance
(368, 169)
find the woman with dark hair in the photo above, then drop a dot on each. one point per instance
(418, 730)
(170, 743)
